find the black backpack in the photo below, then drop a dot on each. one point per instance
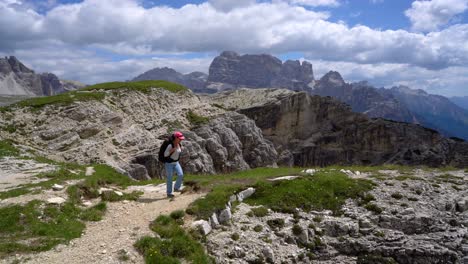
(163, 148)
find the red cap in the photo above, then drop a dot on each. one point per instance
(179, 135)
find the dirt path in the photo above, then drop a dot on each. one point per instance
(124, 223)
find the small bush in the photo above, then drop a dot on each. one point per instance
(397, 196)
(297, 229)
(196, 119)
(373, 208)
(235, 236)
(276, 223)
(258, 228)
(375, 259)
(179, 214)
(175, 244)
(317, 219)
(260, 211)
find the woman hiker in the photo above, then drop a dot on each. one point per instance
(172, 155)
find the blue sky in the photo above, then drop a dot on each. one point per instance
(421, 44)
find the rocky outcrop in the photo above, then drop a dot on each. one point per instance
(322, 131)
(17, 79)
(230, 142)
(195, 81)
(231, 70)
(126, 129)
(417, 223)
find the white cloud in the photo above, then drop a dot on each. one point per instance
(228, 5)
(127, 28)
(124, 26)
(376, 1)
(72, 63)
(449, 82)
(332, 3)
(431, 15)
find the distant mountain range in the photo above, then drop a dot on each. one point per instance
(17, 79)
(461, 101)
(230, 70)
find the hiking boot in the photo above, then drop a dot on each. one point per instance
(170, 195)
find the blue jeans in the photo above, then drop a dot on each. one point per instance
(170, 167)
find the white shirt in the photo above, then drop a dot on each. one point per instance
(175, 155)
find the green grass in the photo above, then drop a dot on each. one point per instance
(373, 208)
(7, 149)
(37, 226)
(449, 178)
(260, 211)
(14, 193)
(9, 128)
(214, 201)
(196, 119)
(59, 99)
(142, 86)
(173, 245)
(324, 190)
(87, 93)
(221, 187)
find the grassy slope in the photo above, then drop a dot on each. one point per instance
(94, 92)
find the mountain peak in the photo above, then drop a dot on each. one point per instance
(229, 54)
(333, 78)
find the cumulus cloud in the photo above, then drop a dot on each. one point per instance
(228, 5)
(449, 82)
(127, 28)
(74, 63)
(332, 3)
(431, 15)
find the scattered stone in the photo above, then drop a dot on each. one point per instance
(87, 203)
(269, 255)
(89, 171)
(118, 193)
(284, 178)
(224, 216)
(102, 189)
(56, 200)
(214, 220)
(57, 187)
(310, 171)
(203, 226)
(245, 194)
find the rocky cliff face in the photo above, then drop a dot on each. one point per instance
(312, 130)
(17, 79)
(195, 81)
(231, 70)
(126, 128)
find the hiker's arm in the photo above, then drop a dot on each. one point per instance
(169, 150)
